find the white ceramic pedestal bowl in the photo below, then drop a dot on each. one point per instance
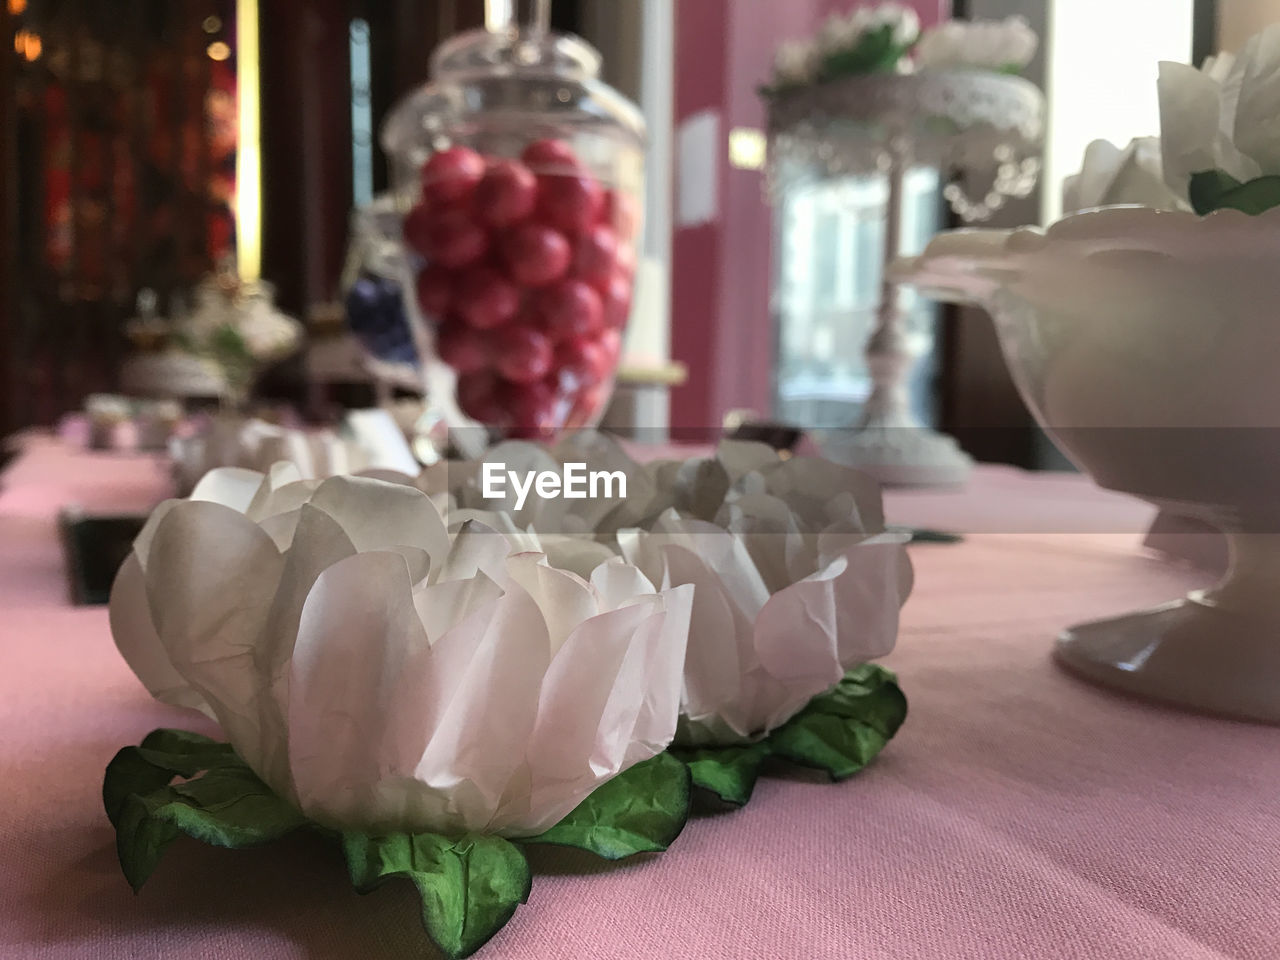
(1147, 343)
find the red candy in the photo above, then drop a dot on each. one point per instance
(417, 229)
(617, 300)
(532, 409)
(588, 406)
(535, 255)
(596, 255)
(479, 397)
(529, 281)
(570, 309)
(507, 194)
(522, 354)
(611, 344)
(587, 361)
(570, 203)
(549, 153)
(620, 211)
(485, 298)
(461, 347)
(454, 240)
(435, 290)
(450, 175)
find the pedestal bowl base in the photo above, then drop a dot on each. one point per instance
(1191, 653)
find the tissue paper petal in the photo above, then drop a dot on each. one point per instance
(356, 714)
(1189, 129)
(479, 742)
(564, 599)
(377, 516)
(664, 640)
(211, 580)
(139, 644)
(1257, 121)
(571, 723)
(230, 486)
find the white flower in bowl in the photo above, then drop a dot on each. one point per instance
(384, 674)
(1111, 176)
(1224, 116)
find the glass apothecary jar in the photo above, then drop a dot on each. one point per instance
(519, 174)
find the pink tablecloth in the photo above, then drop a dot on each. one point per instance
(1019, 813)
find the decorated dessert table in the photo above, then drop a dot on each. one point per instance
(1019, 813)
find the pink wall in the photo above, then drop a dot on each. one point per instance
(722, 327)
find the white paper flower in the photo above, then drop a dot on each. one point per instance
(795, 580)
(1225, 116)
(368, 443)
(383, 674)
(1008, 44)
(1111, 176)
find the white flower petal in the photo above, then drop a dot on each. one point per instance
(378, 516)
(575, 745)
(139, 644)
(230, 486)
(356, 711)
(211, 579)
(1256, 125)
(478, 745)
(564, 599)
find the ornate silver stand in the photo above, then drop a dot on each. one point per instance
(985, 126)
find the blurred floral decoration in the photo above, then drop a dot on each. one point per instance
(237, 326)
(887, 39)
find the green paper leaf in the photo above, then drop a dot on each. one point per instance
(843, 730)
(469, 887)
(729, 772)
(1214, 190)
(181, 783)
(642, 810)
(840, 732)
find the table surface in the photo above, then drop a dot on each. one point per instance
(1020, 813)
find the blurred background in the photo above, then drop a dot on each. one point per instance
(145, 142)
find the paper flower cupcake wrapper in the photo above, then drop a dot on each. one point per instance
(470, 885)
(839, 732)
